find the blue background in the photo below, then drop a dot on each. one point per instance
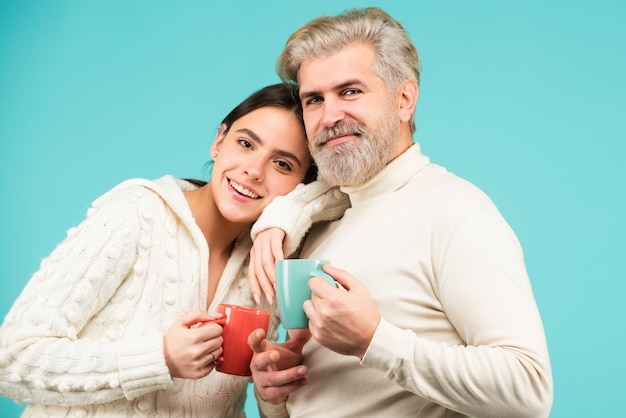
(526, 100)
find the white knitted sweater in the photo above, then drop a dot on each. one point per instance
(85, 337)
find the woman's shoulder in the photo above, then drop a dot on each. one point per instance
(152, 199)
(136, 188)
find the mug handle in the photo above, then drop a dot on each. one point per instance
(321, 273)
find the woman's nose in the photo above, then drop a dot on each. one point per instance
(254, 168)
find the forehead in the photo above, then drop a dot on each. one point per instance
(274, 126)
(266, 117)
(352, 62)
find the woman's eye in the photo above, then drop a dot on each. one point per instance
(284, 165)
(244, 143)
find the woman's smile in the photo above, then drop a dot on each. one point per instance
(242, 190)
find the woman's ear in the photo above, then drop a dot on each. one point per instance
(408, 94)
(219, 139)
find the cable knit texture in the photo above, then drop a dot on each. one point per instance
(304, 206)
(85, 337)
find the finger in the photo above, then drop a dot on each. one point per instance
(257, 341)
(213, 356)
(215, 315)
(259, 282)
(342, 277)
(216, 318)
(277, 238)
(261, 254)
(320, 288)
(200, 351)
(277, 395)
(209, 334)
(271, 251)
(192, 318)
(309, 309)
(265, 360)
(283, 382)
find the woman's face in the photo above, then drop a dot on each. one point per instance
(264, 154)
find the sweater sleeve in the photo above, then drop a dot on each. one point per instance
(295, 212)
(503, 368)
(268, 410)
(43, 356)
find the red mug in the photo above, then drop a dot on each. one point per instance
(237, 323)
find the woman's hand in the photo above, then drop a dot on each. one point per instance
(267, 248)
(190, 351)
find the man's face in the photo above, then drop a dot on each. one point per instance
(351, 118)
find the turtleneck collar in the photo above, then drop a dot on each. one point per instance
(391, 178)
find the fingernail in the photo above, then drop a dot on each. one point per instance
(269, 298)
(257, 298)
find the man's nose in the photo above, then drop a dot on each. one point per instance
(332, 113)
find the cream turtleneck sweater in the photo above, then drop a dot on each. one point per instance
(460, 333)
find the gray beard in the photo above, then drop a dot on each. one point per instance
(355, 163)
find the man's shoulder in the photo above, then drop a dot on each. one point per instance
(446, 192)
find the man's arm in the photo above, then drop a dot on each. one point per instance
(503, 367)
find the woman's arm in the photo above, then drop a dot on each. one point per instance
(282, 226)
(44, 357)
(295, 212)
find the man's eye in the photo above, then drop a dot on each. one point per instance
(351, 92)
(313, 100)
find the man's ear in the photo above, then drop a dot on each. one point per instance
(219, 139)
(407, 99)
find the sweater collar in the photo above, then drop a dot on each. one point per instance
(391, 178)
(171, 190)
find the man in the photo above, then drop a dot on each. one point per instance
(434, 315)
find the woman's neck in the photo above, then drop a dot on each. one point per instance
(220, 234)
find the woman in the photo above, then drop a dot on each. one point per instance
(106, 327)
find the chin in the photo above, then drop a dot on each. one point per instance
(243, 219)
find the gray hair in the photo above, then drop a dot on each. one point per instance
(397, 59)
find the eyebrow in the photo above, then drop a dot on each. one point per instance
(278, 151)
(341, 86)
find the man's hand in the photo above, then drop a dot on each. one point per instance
(276, 368)
(343, 320)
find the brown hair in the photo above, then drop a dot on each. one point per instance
(397, 59)
(277, 95)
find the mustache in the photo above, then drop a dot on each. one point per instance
(339, 129)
